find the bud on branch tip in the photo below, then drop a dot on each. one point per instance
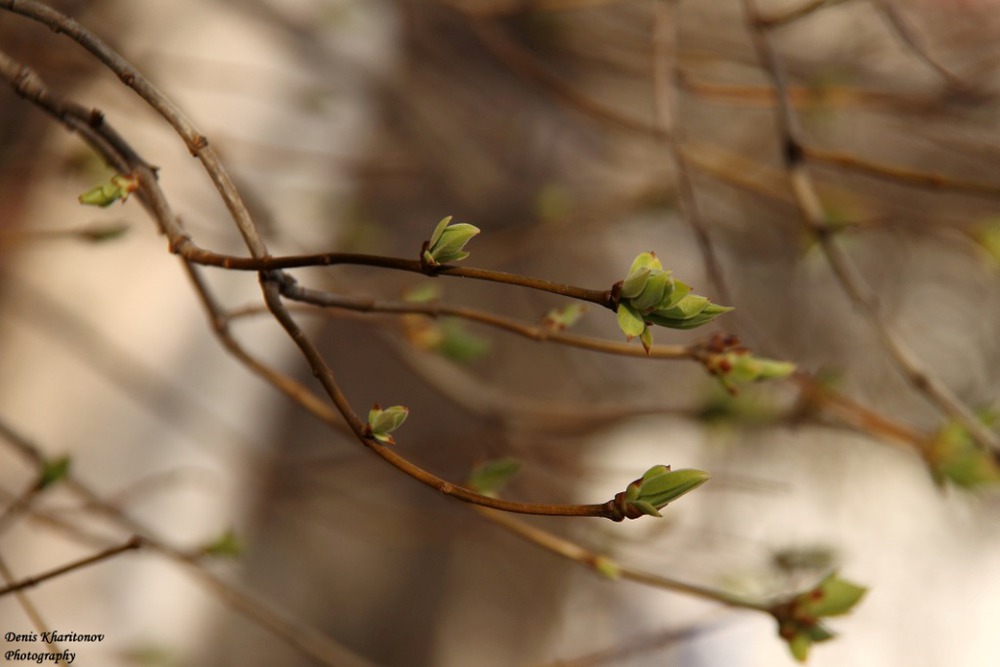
(120, 186)
(447, 243)
(650, 295)
(658, 487)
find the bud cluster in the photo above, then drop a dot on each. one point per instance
(650, 295)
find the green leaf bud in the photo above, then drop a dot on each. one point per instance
(832, 597)
(664, 487)
(118, 187)
(650, 295)
(607, 567)
(658, 487)
(559, 319)
(383, 422)
(447, 243)
(488, 478)
(227, 545)
(955, 457)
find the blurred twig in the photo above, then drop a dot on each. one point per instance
(815, 218)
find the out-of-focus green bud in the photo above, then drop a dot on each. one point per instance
(382, 423)
(53, 471)
(748, 368)
(488, 478)
(832, 597)
(799, 618)
(658, 487)
(119, 187)
(955, 457)
(450, 337)
(227, 545)
(799, 645)
(458, 343)
(733, 364)
(799, 559)
(104, 232)
(987, 235)
(559, 319)
(447, 243)
(427, 292)
(607, 567)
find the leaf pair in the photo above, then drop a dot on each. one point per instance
(447, 243)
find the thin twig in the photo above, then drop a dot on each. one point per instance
(323, 373)
(195, 141)
(522, 61)
(27, 582)
(198, 256)
(665, 68)
(608, 567)
(899, 174)
(30, 610)
(815, 217)
(170, 224)
(899, 25)
(435, 310)
(796, 13)
(300, 636)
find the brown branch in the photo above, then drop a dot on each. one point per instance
(189, 251)
(272, 288)
(132, 543)
(30, 610)
(607, 567)
(435, 310)
(898, 174)
(796, 13)
(908, 36)
(666, 75)
(522, 61)
(196, 142)
(181, 243)
(299, 636)
(814, 217)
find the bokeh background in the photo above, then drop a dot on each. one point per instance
(576, 134)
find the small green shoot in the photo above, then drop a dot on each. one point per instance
(447, 243)
(381, 423)
(658, 487)
(489, 477)
(119, 187)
